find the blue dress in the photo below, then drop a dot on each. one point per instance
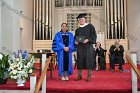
(59, 42)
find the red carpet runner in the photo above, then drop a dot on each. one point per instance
(102, 82)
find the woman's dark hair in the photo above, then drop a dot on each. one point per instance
(98, 43)
(63, 24)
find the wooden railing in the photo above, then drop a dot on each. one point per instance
(133, 66)
(37, 88)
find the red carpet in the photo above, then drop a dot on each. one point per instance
(102, 82)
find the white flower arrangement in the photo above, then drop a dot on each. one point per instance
(20, 66)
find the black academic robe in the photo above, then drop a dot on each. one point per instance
(85, 52)
(101, 58)
(100, 52)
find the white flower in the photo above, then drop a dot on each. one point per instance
(11, 67)
(14, 71)
(25, 67)
(28, 64)
(19, 68)
(17, 59)
(23, 72)
(30, 71)
(14, 77)
(26, 75)
(12, 64)
(1, 56)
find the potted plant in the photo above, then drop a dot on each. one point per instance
(20, 67)
(4, 65)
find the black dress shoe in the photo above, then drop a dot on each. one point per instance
(112, 70)
(121, 71)
(88, 79)
(78, 78)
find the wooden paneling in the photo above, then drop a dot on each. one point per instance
(42, 44)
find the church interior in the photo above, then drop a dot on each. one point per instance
(32, 24)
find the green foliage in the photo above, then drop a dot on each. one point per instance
(4, 65)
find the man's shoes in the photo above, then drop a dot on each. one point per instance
(63, 78)
(102, 69)
(112, 70)
(78, 78)
(121, 71)
(88, 79)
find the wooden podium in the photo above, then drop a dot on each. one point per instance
(43, 57)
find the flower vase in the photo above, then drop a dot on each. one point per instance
(20, 82)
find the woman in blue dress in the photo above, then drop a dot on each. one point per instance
(63, 45)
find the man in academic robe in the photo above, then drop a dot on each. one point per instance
(116, 55)
(63, 45)
(85, 51)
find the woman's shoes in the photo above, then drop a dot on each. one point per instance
(64, 78)
(77, 79)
